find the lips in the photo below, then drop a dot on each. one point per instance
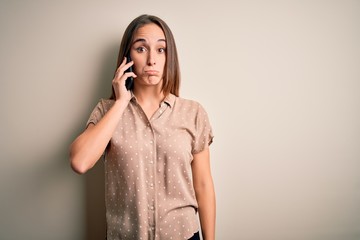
(152, 72)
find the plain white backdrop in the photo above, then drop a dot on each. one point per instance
(280, 81)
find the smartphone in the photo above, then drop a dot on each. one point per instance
(129, 83)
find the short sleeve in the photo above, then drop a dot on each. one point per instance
(96, 114)
(203, 131)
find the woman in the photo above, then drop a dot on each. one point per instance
(157, 164)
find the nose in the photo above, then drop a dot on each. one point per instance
(151, 58)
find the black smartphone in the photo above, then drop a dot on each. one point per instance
(129, 83)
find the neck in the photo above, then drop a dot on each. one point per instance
(150, 96)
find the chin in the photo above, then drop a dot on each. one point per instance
(152, 80)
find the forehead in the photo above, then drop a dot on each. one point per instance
(149, 32)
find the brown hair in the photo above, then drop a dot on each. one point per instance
(171, 77)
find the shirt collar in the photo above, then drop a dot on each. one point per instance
(169, 99)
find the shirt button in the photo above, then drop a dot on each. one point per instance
(151, 185)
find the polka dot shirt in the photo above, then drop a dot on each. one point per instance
(149, 191)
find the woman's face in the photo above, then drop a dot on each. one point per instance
(148, 52)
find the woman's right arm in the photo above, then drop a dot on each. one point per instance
(87, 148)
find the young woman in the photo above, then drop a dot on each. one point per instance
(157, 164)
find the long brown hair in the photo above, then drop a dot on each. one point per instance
(171, 76)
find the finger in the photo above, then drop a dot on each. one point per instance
(123, 67)
(122, 71)
(126, 75)
(123, 77)
(127, 65)
(123, 62)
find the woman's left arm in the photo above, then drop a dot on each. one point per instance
(205, 193)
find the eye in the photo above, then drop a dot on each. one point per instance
(162, 50)
(140, 49)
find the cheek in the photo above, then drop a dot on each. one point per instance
(163, 62)
(135, 68)
(138, 65)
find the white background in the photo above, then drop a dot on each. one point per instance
(280, 81)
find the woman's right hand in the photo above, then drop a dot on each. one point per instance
(118, 83)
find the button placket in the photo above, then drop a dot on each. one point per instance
(151, 181)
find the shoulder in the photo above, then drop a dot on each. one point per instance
(105, 104)
(191, 107)
(189, 103)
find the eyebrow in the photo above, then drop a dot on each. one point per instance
(143, 40)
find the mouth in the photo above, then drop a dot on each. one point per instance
(152, 72)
